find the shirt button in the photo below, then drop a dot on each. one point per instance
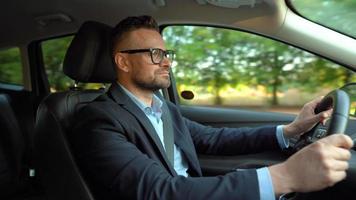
(148, 110)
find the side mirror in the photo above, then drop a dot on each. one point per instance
(187, 95)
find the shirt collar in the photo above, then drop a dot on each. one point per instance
(155, 106)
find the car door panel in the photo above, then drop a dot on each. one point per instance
(224, 117)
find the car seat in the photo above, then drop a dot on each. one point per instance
(88, 60)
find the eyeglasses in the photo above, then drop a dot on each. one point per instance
(156, 54)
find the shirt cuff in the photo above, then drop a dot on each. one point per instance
(282, 141)
(265, 184)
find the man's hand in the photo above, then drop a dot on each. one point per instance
(317, 166)
(306, 119)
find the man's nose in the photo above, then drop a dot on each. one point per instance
(165, 62)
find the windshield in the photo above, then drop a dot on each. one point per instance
(339, 15)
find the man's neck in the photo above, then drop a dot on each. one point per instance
(144, 95)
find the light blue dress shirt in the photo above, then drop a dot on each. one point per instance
(154, 113)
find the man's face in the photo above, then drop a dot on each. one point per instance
(143, 73)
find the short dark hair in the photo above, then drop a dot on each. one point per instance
(130, 24)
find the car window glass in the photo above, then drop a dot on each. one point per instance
(11, 66)
(336, 14)
(53, 56)
(229, 68)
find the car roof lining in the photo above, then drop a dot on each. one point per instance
(27, 14)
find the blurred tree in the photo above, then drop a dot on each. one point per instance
(204, 57)
(212, 58)
(336, 14)
(53, 55)
(270, 63)
(10, 66)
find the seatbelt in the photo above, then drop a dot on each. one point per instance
(168, 136)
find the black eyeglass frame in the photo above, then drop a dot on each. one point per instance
(165, 53)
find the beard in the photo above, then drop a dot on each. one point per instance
(158, 82)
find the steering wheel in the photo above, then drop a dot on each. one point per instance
(337, 99)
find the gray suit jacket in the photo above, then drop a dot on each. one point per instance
(122, 157)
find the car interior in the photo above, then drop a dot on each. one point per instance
(36, 161)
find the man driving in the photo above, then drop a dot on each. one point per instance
(132, 144)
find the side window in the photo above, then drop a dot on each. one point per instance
(11, 66)
(228, 68)
(53, 56)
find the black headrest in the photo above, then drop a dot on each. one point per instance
(88, 58)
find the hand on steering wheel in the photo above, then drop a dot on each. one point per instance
(340, 102)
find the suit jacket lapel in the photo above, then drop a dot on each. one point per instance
(122, 99)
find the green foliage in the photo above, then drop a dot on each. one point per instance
(10, 66)
(213, 58)
(53, 56)
(336, 14)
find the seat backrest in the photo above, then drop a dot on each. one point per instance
(87, 60)
(12, 147)
(55, 163)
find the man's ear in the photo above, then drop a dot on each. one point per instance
(121, 62)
